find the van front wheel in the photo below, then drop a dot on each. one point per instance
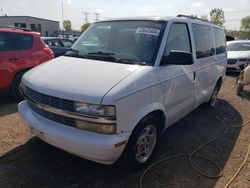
(142, 143)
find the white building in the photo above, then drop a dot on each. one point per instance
(44, 26)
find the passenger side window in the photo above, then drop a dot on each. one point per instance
(178, 39)
(67, 43)
(56, 43)
(204, 41)
(220, 41)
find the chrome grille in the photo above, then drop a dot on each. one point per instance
(53, 117)
(48, 100)
(231, 61)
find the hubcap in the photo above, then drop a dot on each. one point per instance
(145, 143)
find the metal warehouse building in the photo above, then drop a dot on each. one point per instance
(44, 26)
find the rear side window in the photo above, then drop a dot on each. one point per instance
(54, 43)
(220, 41)
(204, 41)
(178, 38)
(23, 41)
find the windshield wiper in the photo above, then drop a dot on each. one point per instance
(104, 56)
(101, 53)
(125, 61)
(111, 56)
(74, 53)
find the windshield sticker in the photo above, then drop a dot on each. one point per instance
(148, 31)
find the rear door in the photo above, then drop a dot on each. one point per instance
(206, 62)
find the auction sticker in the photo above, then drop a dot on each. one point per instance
(147, 31)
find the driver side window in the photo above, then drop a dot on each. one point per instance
(178, 39)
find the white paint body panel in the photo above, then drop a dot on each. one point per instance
(134, 90)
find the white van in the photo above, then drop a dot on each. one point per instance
(122, 84)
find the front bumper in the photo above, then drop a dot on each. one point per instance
(95, 147)
(239, 65)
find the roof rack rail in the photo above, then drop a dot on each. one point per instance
(191, 17)
(12, 27)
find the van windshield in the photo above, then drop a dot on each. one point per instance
(239, 46)
(132, 42)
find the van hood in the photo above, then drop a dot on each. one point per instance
(77, 79)
(238, 54)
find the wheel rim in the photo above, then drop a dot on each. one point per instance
(214, 97)
(145, 143)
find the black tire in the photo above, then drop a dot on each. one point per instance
(15, 87)
(213, 99)
(135, 162)
(239, 88)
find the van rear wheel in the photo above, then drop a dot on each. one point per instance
(214, 97)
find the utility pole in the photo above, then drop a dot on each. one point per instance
(62, 15)
(2, 11)
(86, 16)
(97, 16)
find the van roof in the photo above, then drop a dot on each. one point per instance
(163, 18)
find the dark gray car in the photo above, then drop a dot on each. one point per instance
(57, 45)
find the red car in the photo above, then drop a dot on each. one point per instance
(20, 50)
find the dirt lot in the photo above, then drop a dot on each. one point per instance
(25, 161)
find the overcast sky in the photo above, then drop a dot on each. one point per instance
(73, 9)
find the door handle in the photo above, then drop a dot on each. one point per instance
(194, 76)
(13, 58)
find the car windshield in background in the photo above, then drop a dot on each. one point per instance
(243, 46)
(133, 42)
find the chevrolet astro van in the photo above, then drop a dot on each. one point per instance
(122, 84)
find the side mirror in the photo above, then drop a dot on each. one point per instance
(177, 58)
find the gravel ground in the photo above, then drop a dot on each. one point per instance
(26, 161)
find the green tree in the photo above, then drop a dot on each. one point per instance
(85, 26)
(204, 17)
(217, 16)
(67, 25)
(245, 24)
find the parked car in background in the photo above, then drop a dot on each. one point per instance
(122, 84)
(238, 53)
(20, 50)
(57, 45)
(75, 39)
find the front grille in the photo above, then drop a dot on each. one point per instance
(231, 61)
(55, 102)
(53, 117)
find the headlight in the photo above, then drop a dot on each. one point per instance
(94, 110)
(97, 128)
(242, 59)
